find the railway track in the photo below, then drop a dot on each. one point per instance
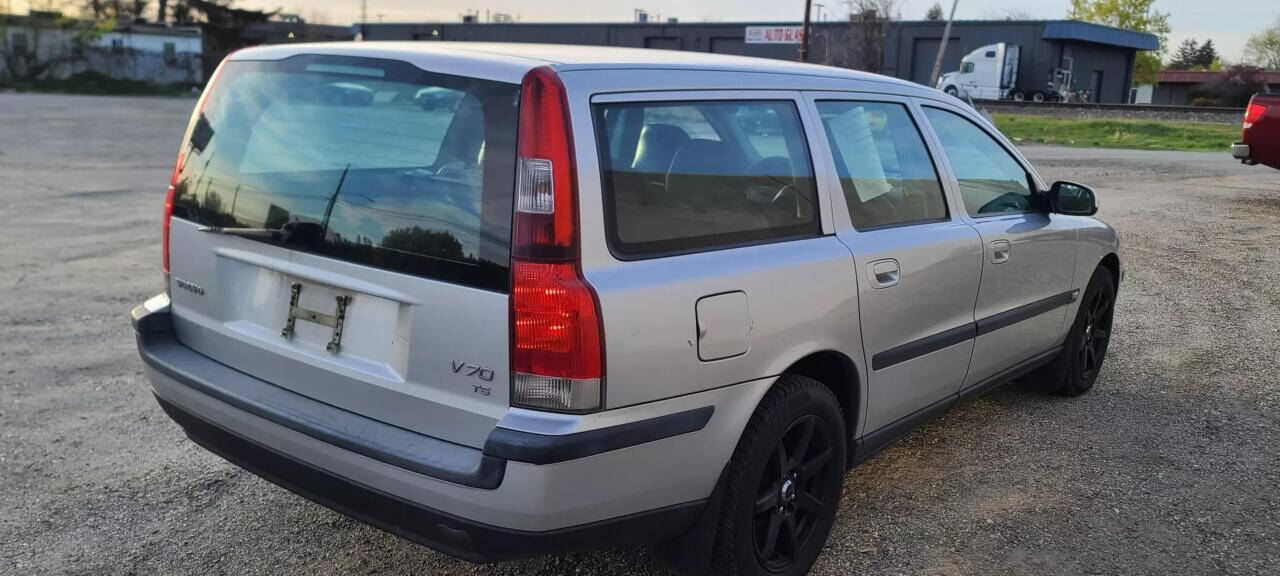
(1114, 107)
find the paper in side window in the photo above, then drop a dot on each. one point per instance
(858, 150)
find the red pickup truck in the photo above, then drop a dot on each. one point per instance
(1260, 139)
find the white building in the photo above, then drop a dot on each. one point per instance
(53, 47)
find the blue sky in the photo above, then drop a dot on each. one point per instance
(1229, 23)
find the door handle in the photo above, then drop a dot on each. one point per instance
(1000, 251)
(884, 273)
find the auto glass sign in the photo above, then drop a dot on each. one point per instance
(774, 34)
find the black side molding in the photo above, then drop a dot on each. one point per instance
(873, 442)
(926, 345)
(1024, 312)
(934, 342)
(1011, 373)
(535, 448)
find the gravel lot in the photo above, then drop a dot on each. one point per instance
(1169, 466)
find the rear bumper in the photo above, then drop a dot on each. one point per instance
(1240, 151)
(453, 535)
(641, 480)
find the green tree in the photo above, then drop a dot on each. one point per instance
(1263, 48)
(1139, 15)
(1206, 56)
(934, 13)
(1186, 55)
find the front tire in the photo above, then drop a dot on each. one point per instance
(783, 484)
(951, 91)
(1075, 371)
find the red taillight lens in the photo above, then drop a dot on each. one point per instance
(168, 211)
(556, 328)
(556, 359)
(1253, 113)
(545, 226)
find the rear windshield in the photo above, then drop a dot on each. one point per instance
(371, 161)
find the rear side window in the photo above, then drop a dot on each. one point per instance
(689, 176)
(370, 161)
(885, 170)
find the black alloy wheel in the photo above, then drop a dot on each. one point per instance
(1095, 333)
(792, 493)
(782, 487)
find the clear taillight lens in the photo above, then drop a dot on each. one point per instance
(558, 394)
(535, 187)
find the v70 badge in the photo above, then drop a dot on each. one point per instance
(334, 321)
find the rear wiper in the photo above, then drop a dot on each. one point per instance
(269, 233)
(292, 233)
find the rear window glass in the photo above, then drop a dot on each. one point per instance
(371, 161)
(689, 176)
(885, 170)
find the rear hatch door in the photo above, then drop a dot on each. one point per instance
(341, 229)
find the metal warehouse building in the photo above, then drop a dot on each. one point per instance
(1099, 58)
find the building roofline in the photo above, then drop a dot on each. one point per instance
(1052, 29)
(689, 23)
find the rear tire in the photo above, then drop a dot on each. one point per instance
(1018, 96)
(1076, 369)
(1037, 96)
(783, 484)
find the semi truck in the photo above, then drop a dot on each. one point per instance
(991, 73)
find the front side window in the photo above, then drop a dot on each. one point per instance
(966, 68)
(375, 162)
(885, 170)
(991, 180)
(688, 176)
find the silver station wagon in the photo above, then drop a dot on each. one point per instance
(510, 300)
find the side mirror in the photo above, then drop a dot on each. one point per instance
(1071, 198)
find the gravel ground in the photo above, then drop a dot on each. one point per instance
(1169, 466)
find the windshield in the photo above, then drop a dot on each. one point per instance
(371, 161)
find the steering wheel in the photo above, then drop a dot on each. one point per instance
(1007, 202)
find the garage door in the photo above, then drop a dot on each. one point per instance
(925, 50)
(728, 46)
(662, 43)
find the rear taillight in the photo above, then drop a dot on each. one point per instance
(168, 211)
(557, 358)
(167, 218)
(1253, 113)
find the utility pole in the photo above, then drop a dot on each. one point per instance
(364, 11)
(942, 46)
(804, 33)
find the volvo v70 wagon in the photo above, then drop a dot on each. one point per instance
(508, 300)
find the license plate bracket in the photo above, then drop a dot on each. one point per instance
(334, 321)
